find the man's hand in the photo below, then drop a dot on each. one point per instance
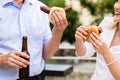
(57, 16)
(14, 59)
(59, 21)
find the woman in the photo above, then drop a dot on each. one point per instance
(107, 46)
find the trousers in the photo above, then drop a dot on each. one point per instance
(36, 77)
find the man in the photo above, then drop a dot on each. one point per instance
(20, 18)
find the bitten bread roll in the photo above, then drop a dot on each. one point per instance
(53, 9)
(94, 29)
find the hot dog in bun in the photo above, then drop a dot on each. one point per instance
(51, 10)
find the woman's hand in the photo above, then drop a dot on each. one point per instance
(99, 45)
(14, 59)
(81, 33)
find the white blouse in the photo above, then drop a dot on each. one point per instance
(102, 71)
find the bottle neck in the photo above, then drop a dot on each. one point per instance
(24, 44)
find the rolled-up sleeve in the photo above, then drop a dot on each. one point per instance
(90, 51)
(48, 33)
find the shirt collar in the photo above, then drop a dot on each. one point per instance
(5, 2)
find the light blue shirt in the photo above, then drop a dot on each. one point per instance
(16, 22)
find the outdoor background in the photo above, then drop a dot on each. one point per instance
(84, 12)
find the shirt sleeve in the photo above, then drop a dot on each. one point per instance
(106, 22)
(90, 50)
(48, 33)
(45, 24)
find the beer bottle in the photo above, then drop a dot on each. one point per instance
(24, 72)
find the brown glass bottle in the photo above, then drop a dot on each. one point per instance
(24, 72)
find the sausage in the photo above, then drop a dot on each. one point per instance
(100, 29)
(47, 9)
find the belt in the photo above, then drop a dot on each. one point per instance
(36, 77)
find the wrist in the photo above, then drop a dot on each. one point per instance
(106, 53)
(112, 62)
(109, 58)
(56, 31)
(0, 59)
(80, 40)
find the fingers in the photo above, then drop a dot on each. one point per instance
(21, 59)
(81, 32)
(16, 59)
(95, 40)
(98, 43)
(23, 54)
(59, 20)
(15, 63)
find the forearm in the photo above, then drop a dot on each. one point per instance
(114, 67)
(80, 48)
(52, 46)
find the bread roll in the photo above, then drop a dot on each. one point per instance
(53, 9)
(90, 30)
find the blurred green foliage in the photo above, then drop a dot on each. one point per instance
(98, 8)
(51, 3)
(72, 17)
